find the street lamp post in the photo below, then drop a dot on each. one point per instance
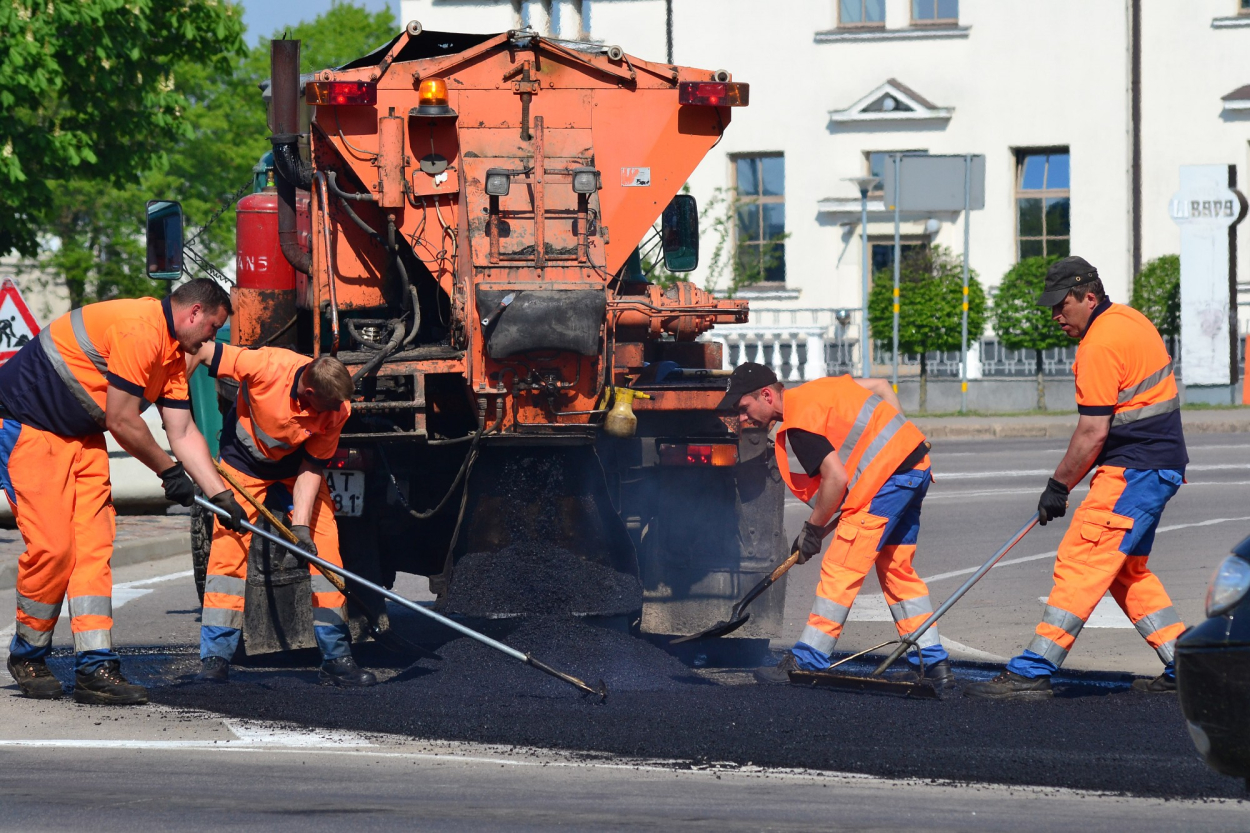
(864, 183)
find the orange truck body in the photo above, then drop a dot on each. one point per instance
(518, 312)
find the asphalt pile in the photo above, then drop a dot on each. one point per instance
(537, 579)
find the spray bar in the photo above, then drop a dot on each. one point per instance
(601, 692)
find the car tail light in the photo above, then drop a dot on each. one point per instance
(681, 454)
(714, 93)
(1228, 586)
(351, 458)
(340, 93)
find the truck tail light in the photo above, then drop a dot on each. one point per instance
(356, 459)
(714, 93)
(432, 99)
(340, 93)
(681, 454)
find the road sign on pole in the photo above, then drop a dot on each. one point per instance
(17, 325)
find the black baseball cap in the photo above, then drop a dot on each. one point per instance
(1063, 276)
(746, 378)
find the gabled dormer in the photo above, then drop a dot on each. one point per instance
(892, 101)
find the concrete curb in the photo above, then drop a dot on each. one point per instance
(125, 553)
(1053, 430)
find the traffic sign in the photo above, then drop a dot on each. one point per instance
(17, 325)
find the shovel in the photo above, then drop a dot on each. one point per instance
(922, 688)
(737, 618)
(383, 636)
(601, 692)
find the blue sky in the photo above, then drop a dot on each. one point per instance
(264, 17)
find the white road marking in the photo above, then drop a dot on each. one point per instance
(959, 649)
(268, 734)
(1007, 562)
(970, 475)
(247, 734)
(1107, 614)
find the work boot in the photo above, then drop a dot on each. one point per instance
(939, 674)
(107, 687)
(778, 674)
(34, 679)
(1162, 684)
(213, 670)
(1009, 686)
(345, 672)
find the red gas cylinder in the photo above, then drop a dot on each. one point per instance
(259, 263)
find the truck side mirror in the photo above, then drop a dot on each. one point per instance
(679, 234)
(164, 232)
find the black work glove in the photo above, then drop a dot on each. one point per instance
(225, 500)
(809, 541)
(1053, 503)
(178, 486)
(303, 537)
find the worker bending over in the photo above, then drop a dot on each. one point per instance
(1130, 428)
(283, 429)
(95, 369)
(860, 454)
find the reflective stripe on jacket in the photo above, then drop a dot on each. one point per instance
(872, 439)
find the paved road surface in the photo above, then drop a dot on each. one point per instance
(163, 768)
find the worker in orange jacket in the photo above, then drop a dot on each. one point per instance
(1130, 428)
(861, 455)
(282, 431)
(95, 369)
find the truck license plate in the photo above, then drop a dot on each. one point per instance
(347, 491)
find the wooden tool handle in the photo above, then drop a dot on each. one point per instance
(273, 519)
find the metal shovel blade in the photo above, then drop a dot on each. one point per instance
(920, 690)
(719, 629)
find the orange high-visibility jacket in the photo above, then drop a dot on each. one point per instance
(872, 439)
(269, 424)
(59, 381)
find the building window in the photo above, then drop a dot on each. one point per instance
(761, 208)
(1243, 7)
(877, 160)
(861, 13)
(883, 252)
(935, 12)
(1042, 203)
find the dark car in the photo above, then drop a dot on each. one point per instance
(1213, 669)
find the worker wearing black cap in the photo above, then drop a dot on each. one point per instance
(861, 455)
(1130, 428)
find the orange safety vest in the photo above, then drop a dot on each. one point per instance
(872, 439)
(127, 343)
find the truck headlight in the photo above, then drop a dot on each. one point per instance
(1228, 585)
(498, 182)
(585, 180)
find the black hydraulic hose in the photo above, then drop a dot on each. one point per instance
(343, 197)
(289, 172)
(416, 313)
(397, 335)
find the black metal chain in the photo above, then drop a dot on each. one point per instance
(225, 206)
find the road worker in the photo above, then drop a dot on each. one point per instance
(1129, 427)
(95, 369)
(282, 431)
(858, 453)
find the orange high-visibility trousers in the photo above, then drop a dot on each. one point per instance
(884, 537)
(61, 497)
(227, 572)
(1106, 549)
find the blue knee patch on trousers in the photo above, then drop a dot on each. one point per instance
(335, 641)
(9, 431)
(1031, 665)
(216, 641)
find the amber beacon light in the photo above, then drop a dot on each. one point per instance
(432, 99)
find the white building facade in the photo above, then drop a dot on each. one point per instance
(1083, 110)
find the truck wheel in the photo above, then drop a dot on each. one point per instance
(201, 543)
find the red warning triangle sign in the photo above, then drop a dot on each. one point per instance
(17, 325)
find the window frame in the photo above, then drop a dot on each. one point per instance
(939, 22)
(861, 24)
(1044, 193)
(758, 199)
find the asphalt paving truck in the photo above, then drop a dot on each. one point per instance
(458, 218)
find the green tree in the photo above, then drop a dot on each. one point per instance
(1157, 295)
(88, 91)
(930, 306)
(1019, 322)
